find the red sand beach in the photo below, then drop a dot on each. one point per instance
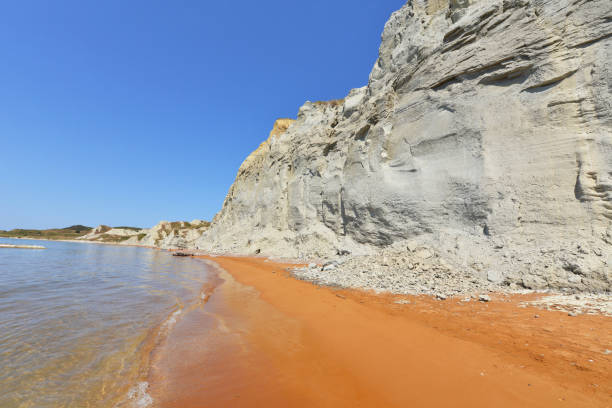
(264, 338)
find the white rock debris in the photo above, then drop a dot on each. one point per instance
(575, 305)
(401, 272)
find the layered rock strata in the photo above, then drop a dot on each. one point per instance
(166, 235)
(484, 134)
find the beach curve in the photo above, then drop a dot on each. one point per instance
(267, 339)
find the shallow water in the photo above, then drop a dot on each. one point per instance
(78, 321)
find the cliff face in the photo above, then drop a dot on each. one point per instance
(167, 235)
(485, 131)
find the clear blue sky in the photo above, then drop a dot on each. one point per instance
(127, 112)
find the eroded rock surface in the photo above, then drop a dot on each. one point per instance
(485, 132)
(166, 235)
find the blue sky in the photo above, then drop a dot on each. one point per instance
(129, 112)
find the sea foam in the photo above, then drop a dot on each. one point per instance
(139, 396)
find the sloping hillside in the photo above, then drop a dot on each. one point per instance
(178, 234)
(72, 232)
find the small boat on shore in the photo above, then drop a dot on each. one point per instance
(181, 254)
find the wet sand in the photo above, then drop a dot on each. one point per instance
(266, 339)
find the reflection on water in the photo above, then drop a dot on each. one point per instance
(77, 321)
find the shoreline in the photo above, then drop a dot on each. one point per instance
(103, 312)
(266, 338)
(550, 299)
(80, 241)
(138, 393)
(289, 335)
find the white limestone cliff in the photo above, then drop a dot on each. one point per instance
(485, 133)
(172, 235)
(166, 235)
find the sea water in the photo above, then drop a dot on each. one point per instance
(79, 321)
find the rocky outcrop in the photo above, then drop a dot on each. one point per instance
(167, 235)
(484, 133)
(106, 233)
(172, 235)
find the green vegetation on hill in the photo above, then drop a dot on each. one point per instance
(71, 232)
(112, 238)
(77, 228)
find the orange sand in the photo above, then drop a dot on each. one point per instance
(265, 339)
